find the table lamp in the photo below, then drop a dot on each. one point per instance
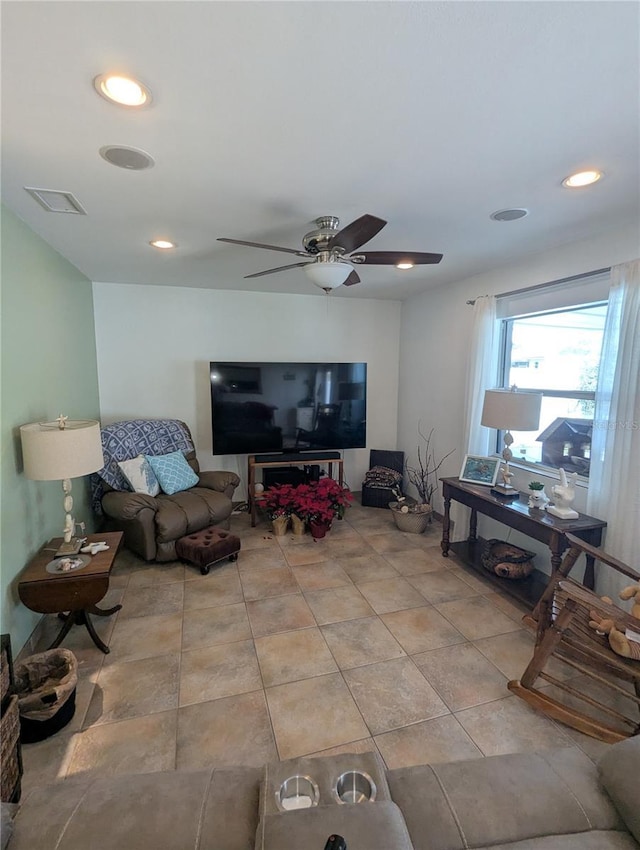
(62, 450)
(507, 410)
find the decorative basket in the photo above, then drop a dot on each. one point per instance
(506, 560)
(9, 753)
(414, 520)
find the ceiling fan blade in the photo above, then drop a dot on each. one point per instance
(357, 233)
(279, 269)
(353, 278)
(392, 258)
(260, 245)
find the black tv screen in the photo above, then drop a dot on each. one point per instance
(288, 407)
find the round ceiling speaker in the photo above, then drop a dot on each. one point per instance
(133, 159)
(509, 215)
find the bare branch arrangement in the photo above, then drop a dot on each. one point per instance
(423, 476)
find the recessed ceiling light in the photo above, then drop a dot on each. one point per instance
(512, 214)
(404, 265)
(581, 178)
(163, 244)
(122, 90)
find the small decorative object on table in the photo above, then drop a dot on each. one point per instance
(506, 560)
(563, 495)
(537, 497)
(477, 469)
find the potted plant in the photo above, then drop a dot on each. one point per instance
(424, 477)
(537, 498)
(319, 503)
(278, 502)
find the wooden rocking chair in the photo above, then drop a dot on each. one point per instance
(605, 686)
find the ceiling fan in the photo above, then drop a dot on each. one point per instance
(329, 256)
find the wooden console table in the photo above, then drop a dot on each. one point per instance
(305, 458)
(516, 514)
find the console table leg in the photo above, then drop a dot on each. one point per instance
(473, 526)
(444, 545)
(557, 548)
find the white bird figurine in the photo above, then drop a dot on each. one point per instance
(563, 495)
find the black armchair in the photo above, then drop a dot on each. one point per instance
(380, 488)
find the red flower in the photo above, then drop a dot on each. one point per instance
(322, 500)
(278, 500)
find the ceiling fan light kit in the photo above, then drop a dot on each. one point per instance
(328, 274)
(326, 250)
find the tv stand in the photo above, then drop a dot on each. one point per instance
(294, 459)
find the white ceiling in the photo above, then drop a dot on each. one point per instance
(268, 114)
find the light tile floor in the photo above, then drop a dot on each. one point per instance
(367, 640)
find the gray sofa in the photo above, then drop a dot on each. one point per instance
(552, 800)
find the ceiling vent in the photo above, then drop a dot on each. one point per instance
(132, 159)
(509, 215)
(56, 201)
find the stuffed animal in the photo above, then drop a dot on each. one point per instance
(626, 644)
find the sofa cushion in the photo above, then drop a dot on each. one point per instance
(189, 511)
(169, 810)
(140, 476)
(594, 840)
(364, 826)
(482, 800)
(619, 770)
(173, 472)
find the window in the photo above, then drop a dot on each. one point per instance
(557, 353)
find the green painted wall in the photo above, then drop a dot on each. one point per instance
(48, 367)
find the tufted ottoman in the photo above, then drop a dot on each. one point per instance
(205, 548)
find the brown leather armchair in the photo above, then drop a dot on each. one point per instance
(152, 524)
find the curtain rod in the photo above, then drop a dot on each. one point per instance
(546, 285)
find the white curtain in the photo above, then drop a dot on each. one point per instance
(482, 374)
(614, 478)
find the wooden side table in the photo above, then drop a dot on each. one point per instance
(73, 595)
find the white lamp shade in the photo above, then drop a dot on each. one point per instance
(328, 274)
(510, 410)
(51, 453)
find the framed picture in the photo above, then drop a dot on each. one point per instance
(480, 470)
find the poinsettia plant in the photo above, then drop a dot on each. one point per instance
(278, 500)
(322, 500)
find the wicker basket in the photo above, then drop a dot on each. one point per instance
(9, 751)
(415, 520)
(5, 674)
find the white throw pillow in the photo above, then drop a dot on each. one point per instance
(139, 475)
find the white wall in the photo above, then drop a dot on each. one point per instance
(434, 349)
(154, 344)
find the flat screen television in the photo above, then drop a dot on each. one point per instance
(287, 407)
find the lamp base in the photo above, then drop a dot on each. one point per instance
(70, 548)
(505, 491)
